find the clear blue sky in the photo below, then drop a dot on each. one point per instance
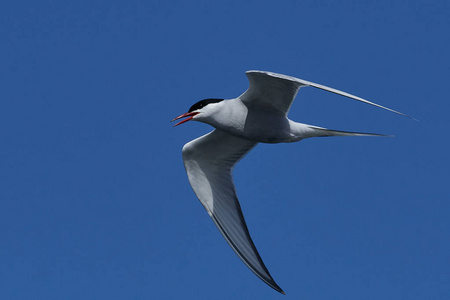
(94, 199)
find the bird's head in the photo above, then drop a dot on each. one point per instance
(200, 111)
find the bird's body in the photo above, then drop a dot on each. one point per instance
(257, 116)
(257, 125)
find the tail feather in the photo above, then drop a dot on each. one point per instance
(319, 131)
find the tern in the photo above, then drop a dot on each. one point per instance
(257, 116)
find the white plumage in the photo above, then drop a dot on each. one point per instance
(257, 116)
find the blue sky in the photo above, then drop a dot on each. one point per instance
(94, 199)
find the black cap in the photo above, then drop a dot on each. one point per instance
(203, 103)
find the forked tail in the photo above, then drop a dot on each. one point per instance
(319, 131)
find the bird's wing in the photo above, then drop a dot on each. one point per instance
(276, 91)
(209, 162)
(271, 91)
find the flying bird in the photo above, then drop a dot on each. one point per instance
(257, 116)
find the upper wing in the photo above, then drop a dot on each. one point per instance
(276, 91)
(209, 161)
(271, 91)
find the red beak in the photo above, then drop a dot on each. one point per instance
(190, 115)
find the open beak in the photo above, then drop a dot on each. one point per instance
(188, 115)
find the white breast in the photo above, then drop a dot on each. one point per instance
(257, 125)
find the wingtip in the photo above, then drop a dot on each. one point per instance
(417, 120)
(276, 287)
(405, 115)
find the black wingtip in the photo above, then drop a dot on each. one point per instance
(276, 287)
